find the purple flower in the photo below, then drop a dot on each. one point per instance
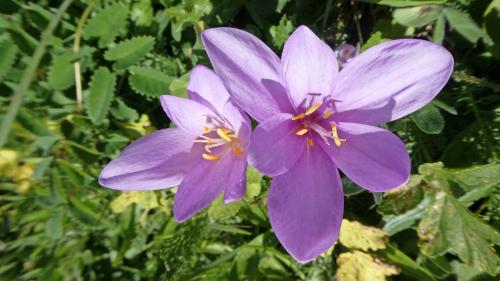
(315, 119)
(205, 155)
(345, 53)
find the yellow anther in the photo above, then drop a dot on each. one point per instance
(299, 116)
(237, 150)
(335, 135)
(301, 132)
(313, 108)
(327, 114)
(206, 130)
(211, 157)
(310, 142)
(223, 134)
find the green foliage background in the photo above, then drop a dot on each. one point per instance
(57, 223)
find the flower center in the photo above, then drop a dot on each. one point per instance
(219, 140)
(314, 119)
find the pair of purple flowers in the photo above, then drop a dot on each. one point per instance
(314, 120)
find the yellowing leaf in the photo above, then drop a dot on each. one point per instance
(146, 199)
(357, 236)
(8, 161)
(359, 266)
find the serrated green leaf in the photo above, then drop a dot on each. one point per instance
(8, 51)
(100, 94)
(149, 82)
(107, 24)
(142, 13)
(61, 72)
(417, 16)
(130, 51)
(464, 25)
(122, 111)
(429, 119)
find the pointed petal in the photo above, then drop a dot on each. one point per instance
(275, 147)
(201, 185)
(249, 69)
(372, 157)
(310, 68)
(155, 161)
(206, 88)
(189, 116)
(237, 182)
(306, 205)
(391, 80)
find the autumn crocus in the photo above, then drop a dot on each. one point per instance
(316, 120)
(205, 155)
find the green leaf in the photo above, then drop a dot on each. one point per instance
(254, 179)
(375, 38)
(100, 94)
(142, 13)
(482, 176)
(8, 51)
(148, 81)
(221, 210)
(61, 72)
(428, 119)
(417, 16)
(405, 3)
(130, 51)
(402, 199)
(408, 266)
(491, 23)
(464, 25)
(439, 30)
(281, 32)
(33, 124)
(122, 111)
(54, 226)
(447, 226)
(178, 87)
(107, 24)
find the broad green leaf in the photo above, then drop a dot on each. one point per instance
(130, 51)
(146, 199)
(122, 111)
(254, 179)
(402, 199)
(491, 23)
(148, 81)
(476, 177)
(405, 3)
(359, 266)
(82, 152)
(464, 25)
(100, 94)
(8, 51)
(61, 72)
(142, 13)
(375, 38)
(357, 236)
(221, 210)
(417, 16)
(54, 227)
(107, 24)
(32, 123)
(186, 14)
(281, 32)
(408, 266)
(429, 119)
(447, 226)
(178, 87)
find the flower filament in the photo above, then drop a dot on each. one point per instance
(218, 137)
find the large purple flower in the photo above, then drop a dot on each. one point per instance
(315, 119)
(205, 155)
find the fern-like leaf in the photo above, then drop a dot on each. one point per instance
(107, 24)
(130, 51)
(149, 82)
(100, 94)
(8, 53)
(61, 73)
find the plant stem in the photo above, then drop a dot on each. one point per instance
(459, 75)
(76, 48)
(29, 73)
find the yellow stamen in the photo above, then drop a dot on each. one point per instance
(237, 150)
(335, 135)
(313, 108)
(211, 157)
(301, 132)
(206, 130)
(310, 142)
(299, 116)
(327, 114)
(223, 134)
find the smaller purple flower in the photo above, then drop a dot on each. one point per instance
(205, 155)
(346, 53)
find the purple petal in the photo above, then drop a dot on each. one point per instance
(155, 161)
(310, 67)
(237, 181)
(275, 147)
(391, 80)
(249, 69)
(345, 53)
(236, 117)
(190, 116)
(372, 157)
(201, 185)
(206, 88)
(306, 205)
